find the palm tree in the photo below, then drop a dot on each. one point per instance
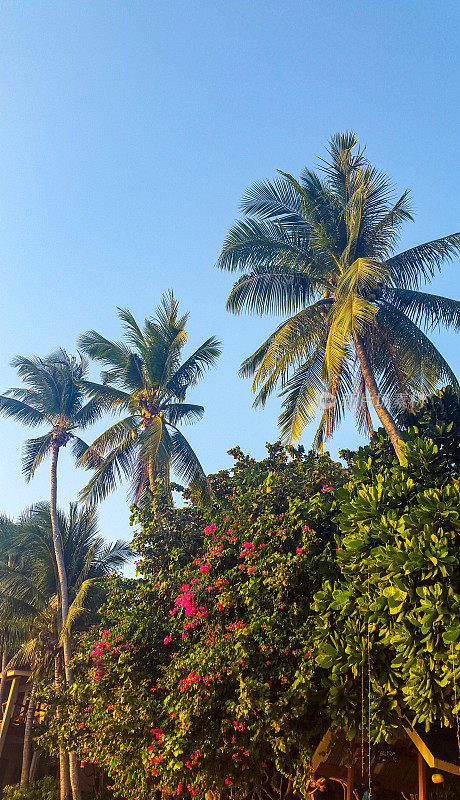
(52, 397)
(146, 378)
(322, 250)
(9, 635)
(29, 594)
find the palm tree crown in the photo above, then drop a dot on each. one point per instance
(146, 378)
(321, 250)
(51, 398)
(87, 557)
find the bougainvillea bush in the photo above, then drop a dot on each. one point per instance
(202, 679)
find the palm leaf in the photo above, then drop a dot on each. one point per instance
(272, 289)
(428, 309)
(88, 414)
(108, 396)
(252, 242)
(113, 437)
(183, 412)
(21, 411)
(193, 369)
(187, 466)
(407, 269)
(301, 397)
(117, 464)
(35, 450)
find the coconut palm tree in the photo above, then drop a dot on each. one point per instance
(322, 250)
(145, 377)
(29, 594)
(52, 397)
(9, 635)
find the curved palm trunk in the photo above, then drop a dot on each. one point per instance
(381, 410)
(3, 679)
(64, 591)
(64, 773)
(27, 747)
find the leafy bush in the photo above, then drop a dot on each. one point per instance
(399, 558)
(45, 789)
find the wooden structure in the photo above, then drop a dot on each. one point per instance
(13, 717)
(12, 727)
(402, 767)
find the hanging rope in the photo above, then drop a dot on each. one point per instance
(455, 696)
(362, 721)
(369, 694)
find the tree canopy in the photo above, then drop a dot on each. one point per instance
(321, 249)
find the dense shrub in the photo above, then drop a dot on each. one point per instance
(399, 558)
(45, 789)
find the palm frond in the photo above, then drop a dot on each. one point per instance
(251, 243)
(290, 345)
(133, 332)
(274, 200)
(301, 397)
(76, 609)
(116, 465)
(21, 411)
(97, 347)
(430, 365)
(113, 556)
(183, 412)
(113, 437)
(193, 368)
(149, 440)
(423, 308)
(35, 450)
(361, 277)
(272, 289)
(407, 269)
(88, 414)
(187, 466)
(107, 396)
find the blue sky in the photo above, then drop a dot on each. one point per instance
(129, 132)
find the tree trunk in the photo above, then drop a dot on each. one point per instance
(64, 591)
(380, 409)
(74, 769)
(57, 542)
(153, 489)
(64, 774)
(27, 747)
(3, 679)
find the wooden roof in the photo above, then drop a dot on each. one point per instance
(394, 763)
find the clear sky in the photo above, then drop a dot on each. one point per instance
(129, 131)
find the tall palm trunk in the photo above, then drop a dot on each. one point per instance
(57, 542)
(380, 409)
(3, 679)
(64, 773)
(153, 488)
(64, 592)
(27, 746)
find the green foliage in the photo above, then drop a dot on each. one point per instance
(399, 558)
(321, 250)
(46, 789)
(202, 677)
